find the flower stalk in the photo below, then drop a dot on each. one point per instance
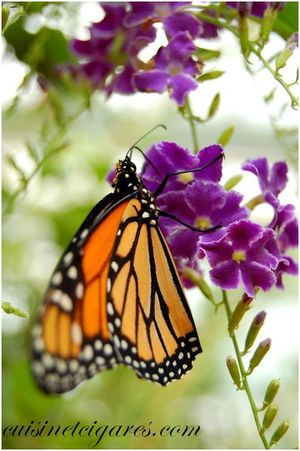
(192, 123)
(244, 376)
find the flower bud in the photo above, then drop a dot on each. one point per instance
(259, 354)
(267, 24)
(5, 14)
(238, 313)
(255, 327)
(232, 182)
(244, 34)
(233, 370)
(269, 416)
(279, 433)
(271, 391)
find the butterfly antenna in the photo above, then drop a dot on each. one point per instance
(146, 158)
(144, 136)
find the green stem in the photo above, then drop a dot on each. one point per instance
(51, 148)
(277, 77)
(244, 375)
(192, 123)
(257, 52)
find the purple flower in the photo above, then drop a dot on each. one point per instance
(174, 69)
(168, 157)
(273, 180)
(112, 50)
(271, 183)
(286, 264)
(254, 8)
(286, 226)
(241, 256)
(169, 13)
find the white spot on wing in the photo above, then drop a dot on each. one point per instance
(84, 233)
(72, 272)
(68, 258)
(79, 290)
(76, 333)
(57, 278)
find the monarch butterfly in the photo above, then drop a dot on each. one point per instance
(115, 296)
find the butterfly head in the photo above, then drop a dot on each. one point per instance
(126, 178)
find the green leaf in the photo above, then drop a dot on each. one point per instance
(10, 309)
(226, 136)
(270, 96)
(11, 17)
(42, 51)
(17, 168)
(207, 54)
(214, 106)
(287, 20)
(210, 75)
(33, 152)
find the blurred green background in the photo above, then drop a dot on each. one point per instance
(43, 218)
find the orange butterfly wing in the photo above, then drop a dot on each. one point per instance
(148, 315)
(71, 341)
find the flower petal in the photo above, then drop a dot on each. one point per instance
(182, 21)
(243, 233)
(140, 13)
(111, 23)
(213, 172)
(226, 275)
(181, 86)
(181, 47)
(151, 81)
(122, 83)
(278, 177)
(167, 157)
(255, 275)
(260, 168)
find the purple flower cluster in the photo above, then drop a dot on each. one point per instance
(272, 182)
(238, 250)
(254, 8)
(109, 59)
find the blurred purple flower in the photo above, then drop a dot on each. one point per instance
(111, 46)
(254, 8)
(174, 69)
(241, 256)
(170, 14)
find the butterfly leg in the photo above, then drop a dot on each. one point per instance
(161, 187)
(195, 229)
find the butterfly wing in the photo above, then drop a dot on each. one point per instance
(71, 341)
(148, 316)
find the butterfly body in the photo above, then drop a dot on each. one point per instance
(115, 297)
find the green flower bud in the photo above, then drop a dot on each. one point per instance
(244, 36)
(255, 327)
(238, 313)
(232, 182)
(269, 416)
(282, 58)
(279, 433)
(271, 391)
(233, 370)
(267, 24)
(5, 14)
(259, 354)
